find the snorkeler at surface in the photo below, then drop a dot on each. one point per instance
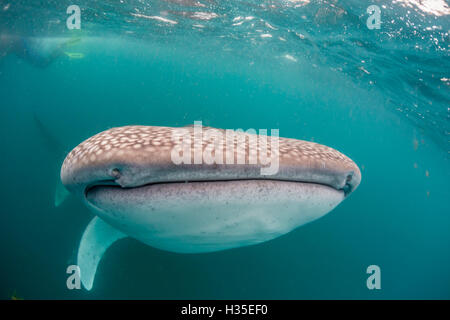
(40, 52)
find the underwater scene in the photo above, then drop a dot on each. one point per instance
(119, 180)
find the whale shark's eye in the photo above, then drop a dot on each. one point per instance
(115, 173)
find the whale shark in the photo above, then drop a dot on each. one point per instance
(127, 178)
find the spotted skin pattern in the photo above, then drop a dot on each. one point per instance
(143, 147)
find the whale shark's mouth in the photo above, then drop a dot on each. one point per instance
(118, 205)
(111, 184)
(108, 196)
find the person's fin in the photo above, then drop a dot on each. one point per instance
(61, 193)
(97, 237)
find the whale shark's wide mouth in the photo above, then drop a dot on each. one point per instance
(347, 189)
(348, 182)
(183, 199)
(94, 189)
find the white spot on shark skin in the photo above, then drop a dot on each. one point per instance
(108, 155)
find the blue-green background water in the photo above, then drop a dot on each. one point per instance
(379, 96)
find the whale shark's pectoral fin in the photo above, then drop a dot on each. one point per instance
(61, 193)
(97, 237)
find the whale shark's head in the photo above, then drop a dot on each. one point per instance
(128, 177)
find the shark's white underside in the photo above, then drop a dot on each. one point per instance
(199, 216)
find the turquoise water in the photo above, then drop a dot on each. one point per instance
(379, 96)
